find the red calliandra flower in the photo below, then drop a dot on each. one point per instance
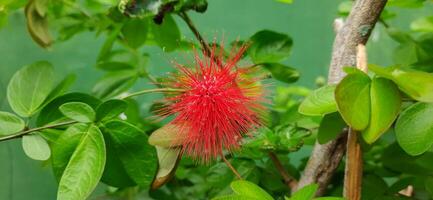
(219, 104)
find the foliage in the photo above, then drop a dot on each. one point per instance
(101, 136)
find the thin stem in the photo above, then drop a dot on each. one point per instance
(152, 91)
(196, 33)
(22, 133)
(206, 49)
(231, 167)
(289, 180)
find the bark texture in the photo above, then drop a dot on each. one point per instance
(356, 30)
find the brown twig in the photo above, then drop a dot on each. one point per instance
(353, 168)
(356, 30)
(205, 46)
(231, 167)
(288, 180)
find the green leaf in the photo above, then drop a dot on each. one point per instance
(85, 167)
(64, 147)
(235, 197)
(414, 128)
(428, 184)
(168, 159)
(282, 73)
(114, 66)
(330, 198)
(285, 1)
(166, 136)
(352, 95)
(319, 102)
(51, 113)
(417, 84)
(110, 109)
(10, 123)
(138, 157)
(373, 187)
(330, 127)
(134, 32)
(424, 24)
(269, 47)
(37, 25)
(115, 173)
(406, 3)
(36, 147)
(167, 34)
(306, 193)
(114, 83)
(29, 87)
(78, 111)
(249, 189)
(61, 88)
(385, 106)
(108, 44)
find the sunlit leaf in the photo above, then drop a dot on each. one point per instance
(306, 193)
(352, 95)
(416, 84)
(78, 111)
(414, 128)
(319, 102)
(385, 105)
(85, 167)
(249, 189)
(10, 123)
(36, 147)
(51, 113)
(424, 24)
(29, 87)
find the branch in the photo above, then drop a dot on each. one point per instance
(196, 33)
(28, 131)
(206, 49)
(356, 30)
(288, 180)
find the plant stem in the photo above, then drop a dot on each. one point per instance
(28, 131)
(325, 157)
(206, 49)
(353, 169)
(152, 91)
(196, 33)
(289, 180)
(231, 167)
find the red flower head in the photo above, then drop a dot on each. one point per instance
(219, 105)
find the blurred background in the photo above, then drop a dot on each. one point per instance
(308, 22)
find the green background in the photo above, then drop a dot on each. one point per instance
(308, 22)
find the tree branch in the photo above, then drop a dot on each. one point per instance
(356, 30)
